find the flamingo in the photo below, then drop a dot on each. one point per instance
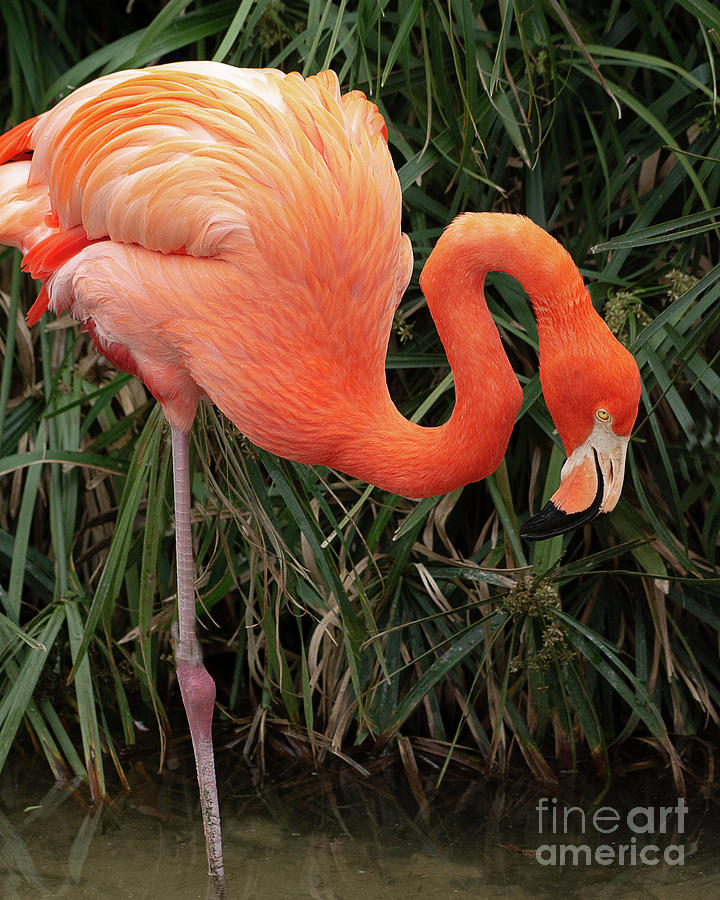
(235, 234)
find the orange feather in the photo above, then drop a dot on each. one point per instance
(15, 144)
(46, 256)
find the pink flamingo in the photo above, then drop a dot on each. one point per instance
(235, 234)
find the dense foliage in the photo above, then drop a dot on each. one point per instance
(353, 620)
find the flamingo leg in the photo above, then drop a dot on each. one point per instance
(196, 685)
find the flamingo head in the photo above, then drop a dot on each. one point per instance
(593, 396)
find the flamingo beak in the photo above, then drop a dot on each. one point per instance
(590, 483)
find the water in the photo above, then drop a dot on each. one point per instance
(344, 837)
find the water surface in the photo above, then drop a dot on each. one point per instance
(344, 837)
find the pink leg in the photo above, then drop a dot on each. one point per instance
(196, 684)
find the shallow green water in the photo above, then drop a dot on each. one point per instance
(342, 838)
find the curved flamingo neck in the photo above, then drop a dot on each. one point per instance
(414, 461)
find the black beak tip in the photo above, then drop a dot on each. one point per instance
(551, 521)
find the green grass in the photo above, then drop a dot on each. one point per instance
(352, 617)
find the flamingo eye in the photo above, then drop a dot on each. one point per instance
(603, 415)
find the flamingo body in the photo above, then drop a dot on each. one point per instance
(236, 232)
